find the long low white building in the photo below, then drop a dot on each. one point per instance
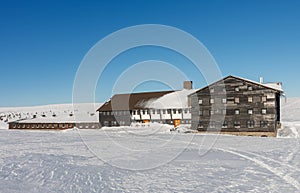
(171, 107)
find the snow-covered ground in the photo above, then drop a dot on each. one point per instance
(290, 118)
(149, 158)
(122, 160)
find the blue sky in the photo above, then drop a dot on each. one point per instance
(43, 42)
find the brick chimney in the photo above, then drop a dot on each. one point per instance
(188, 85)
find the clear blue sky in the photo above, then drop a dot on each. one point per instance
(43, 42)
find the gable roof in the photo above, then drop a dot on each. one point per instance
(267, 85)
(122, 102)
(175, 100)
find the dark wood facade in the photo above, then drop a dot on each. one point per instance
(235, 104)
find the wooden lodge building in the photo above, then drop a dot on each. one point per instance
(124, 109)
(238, 106)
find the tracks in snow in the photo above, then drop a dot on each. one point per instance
(277, 171)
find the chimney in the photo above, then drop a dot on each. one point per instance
(261, 80)
(188, 85)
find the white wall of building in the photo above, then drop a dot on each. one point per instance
(155, 114)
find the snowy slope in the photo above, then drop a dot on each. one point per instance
(290, 117)
(50, 113)
(112, 161)
(147, 158)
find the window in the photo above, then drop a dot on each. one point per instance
(250, 88)
(174, 111)
(200, 125)
(169, 111)
(264, 111)
(264, 99)
(211, 112)
(224, 89)
(200, 112)
(179, 111)
(224, 101)
(237, 124)
(212, 124)
(264, 123)
(250, 111)
(200, 101)
(237, 89)
(212, 101)
(250, 124)
(250, 99)
(185, 111)
(237, 111)
(225, 124)
(164, 111)
(133, 112)
(153, 111)
(237, 100)
(144, 112)
(212, 90)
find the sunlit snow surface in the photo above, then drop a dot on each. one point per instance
(45, 161)
(150, 159)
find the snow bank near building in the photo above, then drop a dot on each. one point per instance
(290, 117)
(174, 100)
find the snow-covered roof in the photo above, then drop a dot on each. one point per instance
(273, 86)
(48, 120)
(60, 113)
(76, 118)
(174, 100)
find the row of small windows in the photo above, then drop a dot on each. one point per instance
(236, 100)
(235, 124)
(236, 112)
(147, 112)
(237, 89)
(43, 126)
(114, 112)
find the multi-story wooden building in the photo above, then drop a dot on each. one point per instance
(237, 106)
